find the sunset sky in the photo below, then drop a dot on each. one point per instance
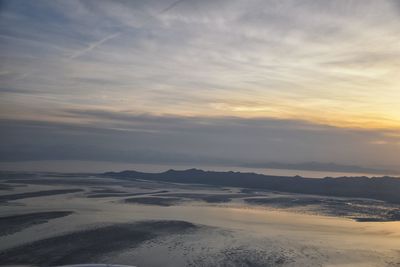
(201, 81)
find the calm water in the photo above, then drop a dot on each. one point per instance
(315, 239)
(98, 166)
(228, 228)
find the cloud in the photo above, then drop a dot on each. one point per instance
(171, 6)
(94, 45)
(255, 72)
(145, 138)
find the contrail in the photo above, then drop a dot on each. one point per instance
(171, 6)
(112, 36)
(94, 45)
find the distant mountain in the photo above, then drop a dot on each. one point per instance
(320, 166)
(380, 188)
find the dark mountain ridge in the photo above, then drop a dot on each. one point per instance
(380, 188)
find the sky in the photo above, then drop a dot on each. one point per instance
(227, 82)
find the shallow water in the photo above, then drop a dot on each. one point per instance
(237, 229)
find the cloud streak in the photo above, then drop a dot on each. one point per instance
(171, 6)
(94, 45)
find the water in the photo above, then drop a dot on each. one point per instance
(230, 229)
(99, 166)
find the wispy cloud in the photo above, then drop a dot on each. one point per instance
(94, 45)
(171, 6)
